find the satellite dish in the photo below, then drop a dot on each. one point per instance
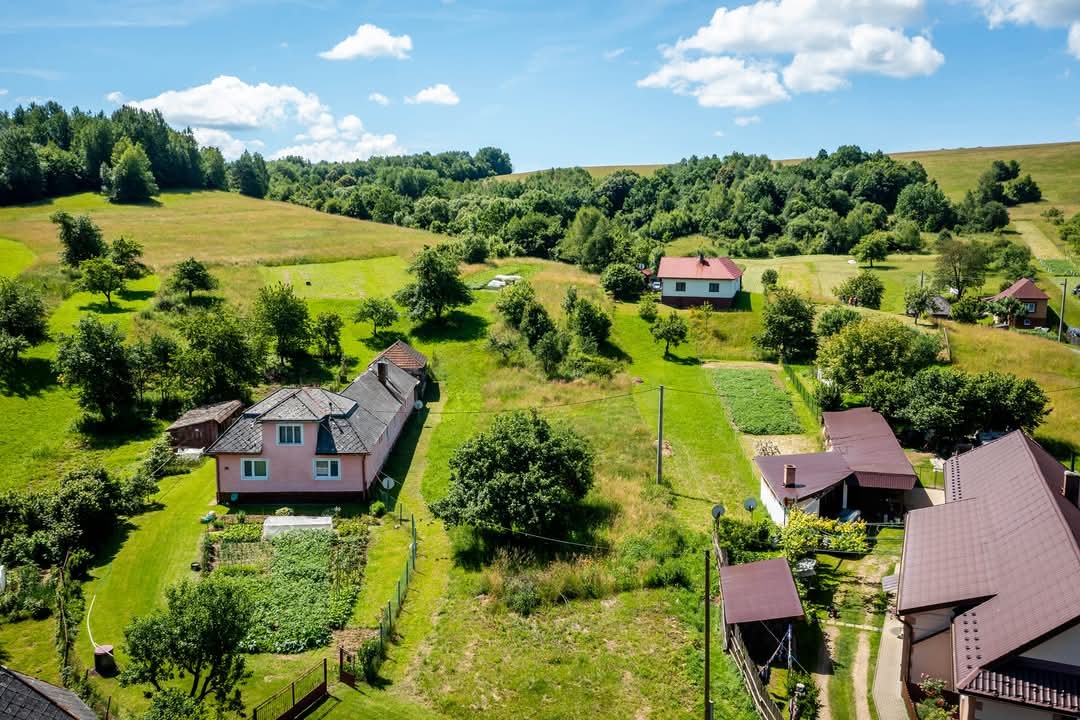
(749, 504)
(387, 482)
(717, 511)
(418, 404)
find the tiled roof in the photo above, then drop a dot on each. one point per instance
(814, 473)
(693, 268)
(403, 355)
(1022, 289)
(26, 698)
(348, 423)
(759, 591)
(1032, 682)
(870, 448)
(1005, 533)
(219, 412)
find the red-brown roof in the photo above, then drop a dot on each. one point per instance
(814, 473)
(403, 355)
(868, 444)
(1045, 684)
(759, 591)
(1022, 289)
(693, 268)
(1007, 534)
(219, 412)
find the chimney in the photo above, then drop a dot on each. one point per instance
(789, 476)
(380, 369)
(700, 257)
(1070, 488)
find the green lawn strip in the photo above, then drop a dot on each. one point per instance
(156, 551)
(875, 645)
(758, 405)
(1041, 246)
(14, 257)
(810, 421)
(841, 683)
(346, 279)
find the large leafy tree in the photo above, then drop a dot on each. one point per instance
(222, 358)
(589, 241)
(865, 290)
(961, 264)
(787, 326)
(21, 179)
(191, 275)
(521, 473)
(834, 318)
(93, 360)
(861, 349)
(513, 300)
(197, 639)
(326, 331)
(670, 330)
(918, 300)
(23, 317)
(437, 285)
(248, 175)
(284, 317)
(127, 254)
(131, 178)
(622, 280)
(214, 174)
(100, 275)
(80, 238)
(872, 247)
(379, 311)
(927, 206)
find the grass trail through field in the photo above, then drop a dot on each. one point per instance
(1041, 246)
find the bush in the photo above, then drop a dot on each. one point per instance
(284, 512)
(357, 527)
(622, 280)
(521, 594)
(368, 658)
(647, 307)
(242, 532)
(378, 508)
(865, 290)
(828, 396)
(969, 309)
(834, 319)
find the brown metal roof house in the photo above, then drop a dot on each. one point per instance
(200, 427)
(26, 698)
(990, 584)
(1035, 303)
(863, 467)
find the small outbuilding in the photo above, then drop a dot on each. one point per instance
(200, 427)
(760, 598)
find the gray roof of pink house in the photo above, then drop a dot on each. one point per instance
(1007, 544)
(350, 422)
(26, 698)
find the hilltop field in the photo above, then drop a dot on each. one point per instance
(456, 655)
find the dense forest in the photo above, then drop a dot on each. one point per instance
(748, 205)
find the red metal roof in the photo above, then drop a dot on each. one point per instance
(694, 268)
(1022, 289)
(870, 448)
(814, 473)
(1032, 682)
(759, 591)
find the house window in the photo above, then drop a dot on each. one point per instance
(1030, 307)
(680, 286)
(290, 435)
(256, 469)
(327, 469)
(714, 287)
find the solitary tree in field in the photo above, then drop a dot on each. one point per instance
(670, 330)
(94, 360)
(127, 254)
(769, 279)
(102, 276)
(961, 264)
(191, 275)
(521, 473)
(378, 311)
(787, 326)
(80, 238)
(23, 318)
(437, 287)
(284, 317)
(864, 290)
(870, 248)
(918, 301)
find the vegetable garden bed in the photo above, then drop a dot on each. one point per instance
(759, 406)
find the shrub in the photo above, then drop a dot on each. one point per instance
(521, 594)
(969, 309)
(378, 508)
(357, 527)
(828, 396)
(833, 319)
(769, 279)
(368, 657)
(865, 289)
(647, 307)
(622, 280)
(284, 512)
(242, 532)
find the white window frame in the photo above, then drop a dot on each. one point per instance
(680, 286)
(244, 469)
(714, 287)
(282, 426)
(315, 468)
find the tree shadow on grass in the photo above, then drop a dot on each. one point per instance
(113, 542)
(28, 377)
(611, 351)
(384, 339)
(101, 307)
(136, 295)
(100, 434)
(743, 302)
(688, 360)
(305, 370)
(456, 326)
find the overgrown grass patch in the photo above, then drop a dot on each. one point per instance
(758, 405)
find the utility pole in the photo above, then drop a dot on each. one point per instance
(660, 441)
(708, 603)
(1061, 315)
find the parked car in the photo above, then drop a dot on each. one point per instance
(655, 285)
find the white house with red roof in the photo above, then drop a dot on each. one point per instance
(695, 281)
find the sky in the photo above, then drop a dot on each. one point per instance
(560, 82)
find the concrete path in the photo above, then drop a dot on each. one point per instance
(823, 670)
(887, 698)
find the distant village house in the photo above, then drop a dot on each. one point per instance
(1034, 300)
(696, 281)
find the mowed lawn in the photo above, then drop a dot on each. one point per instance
(216, 227)
(14, 257)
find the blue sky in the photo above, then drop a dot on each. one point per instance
(561, 83)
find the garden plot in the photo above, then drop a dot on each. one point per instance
(758, 405)
(303, 583)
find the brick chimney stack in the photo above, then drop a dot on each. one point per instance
(789, 476)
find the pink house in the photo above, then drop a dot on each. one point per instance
(310, 443)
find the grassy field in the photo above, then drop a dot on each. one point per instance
(14, 257)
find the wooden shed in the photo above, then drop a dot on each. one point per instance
(200, 427)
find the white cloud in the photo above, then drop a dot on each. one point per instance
(612, 54)
(439, 94)
(739, 58)
(230, 147)
(230, 103)
(3, 91)
(370, 41)
(344, 149)
(1047, 14)
(747, 120)
(718, 133)
(378, 98)
(350, 126)
(115, 97)
(719, 82)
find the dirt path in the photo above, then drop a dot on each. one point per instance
(1042, 246)
(860, 676)
(823, 670)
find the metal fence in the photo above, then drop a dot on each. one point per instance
(930, 478)
(804, 392)
(291, 701)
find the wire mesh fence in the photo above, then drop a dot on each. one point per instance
(296, 697)
(804, 392)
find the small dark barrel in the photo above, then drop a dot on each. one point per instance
(104, 662)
